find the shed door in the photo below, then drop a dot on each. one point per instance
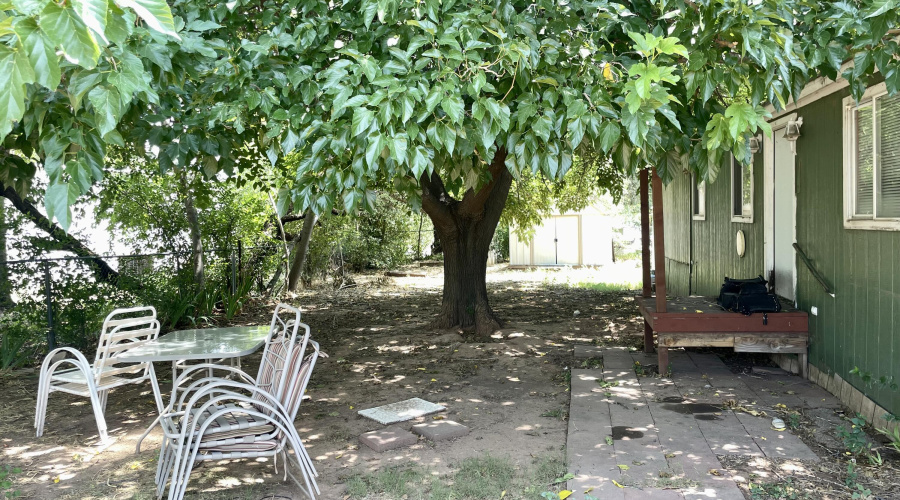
(567, 241)
(784, 213)
(544, 242)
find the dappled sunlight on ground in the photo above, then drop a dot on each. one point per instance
(511, 392)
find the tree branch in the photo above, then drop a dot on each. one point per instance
(68, 242)
(435, 200)
(472, 203)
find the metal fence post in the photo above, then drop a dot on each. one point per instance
(233, 273)
(51, 333)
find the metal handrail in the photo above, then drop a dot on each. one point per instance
(813, 270)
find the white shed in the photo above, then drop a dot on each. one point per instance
(571, 239)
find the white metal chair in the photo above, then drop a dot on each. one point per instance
(123, 329)
(244, 417)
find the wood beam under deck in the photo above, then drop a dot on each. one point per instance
(700, 322)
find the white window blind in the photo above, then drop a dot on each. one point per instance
(888, 156)
(865, 165)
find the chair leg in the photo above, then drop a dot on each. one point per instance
(103, 396)
(40, 413)
(98, 405)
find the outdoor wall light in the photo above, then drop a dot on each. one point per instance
(792, 132)
(754, 143)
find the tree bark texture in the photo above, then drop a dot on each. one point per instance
(67, 242)
(301, 249)
(193, 219)
(465, 228)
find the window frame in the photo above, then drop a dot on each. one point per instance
(695, 215)
(851, 220)
(746, 219)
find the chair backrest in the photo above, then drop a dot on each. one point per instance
(285, 369)
(125, 329)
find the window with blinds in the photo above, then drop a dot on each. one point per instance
(888, 159)
(741, 191)
(875, 158)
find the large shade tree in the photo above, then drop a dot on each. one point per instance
(446, 101)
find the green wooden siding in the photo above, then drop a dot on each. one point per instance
(857, 326)
(860, 326)
(676, 219)
(713, 249)
(714, 243)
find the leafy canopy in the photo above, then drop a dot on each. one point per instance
(377, 92)
(392, 89)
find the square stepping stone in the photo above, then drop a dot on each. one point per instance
(401, 411)
(388, 439)
(440, 430)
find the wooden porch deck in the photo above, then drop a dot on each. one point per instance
(699, 322)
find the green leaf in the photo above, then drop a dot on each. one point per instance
(155, 13)
(434, 97)
(610, 132)
(879, 7)
(362, 120)
(41, 53)
(741, 117)
(547, 80)
(93, 13)
(130, 77)
(30, 7)
(453, 106)
(369, 67)
(448, 136)
(107, 108)
(576, 131)
(542, 127)
(15, 73)
(672, 45)
(65, 29)
(56, 202)
(374, 149)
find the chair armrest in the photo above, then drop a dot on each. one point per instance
(228, 389)
(197, 383)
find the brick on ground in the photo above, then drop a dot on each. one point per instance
(388, 438)
(440, 430)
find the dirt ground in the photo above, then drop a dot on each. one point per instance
(511, 392)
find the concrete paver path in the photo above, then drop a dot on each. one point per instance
(645, 437)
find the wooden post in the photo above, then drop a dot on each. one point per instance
(659, 250)
(658, 244)
(645, 232)
(648, 338)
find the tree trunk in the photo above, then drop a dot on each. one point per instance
(193, 220)
(301, 249)
(465, 229)
(5, 286)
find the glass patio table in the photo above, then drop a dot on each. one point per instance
(203, 344)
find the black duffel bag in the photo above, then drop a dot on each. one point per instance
(753, 302)
(731, 289)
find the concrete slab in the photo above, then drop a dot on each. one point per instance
(587, 351)
(768, 370)
(677, 426)
(388, 438)
(440, 430)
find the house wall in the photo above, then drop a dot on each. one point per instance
(860, 326)
(712, 247)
